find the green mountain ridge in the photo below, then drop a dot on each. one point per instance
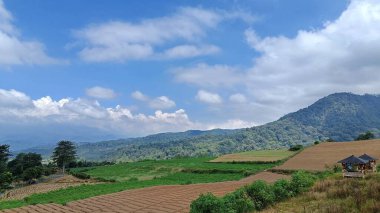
(340, 116)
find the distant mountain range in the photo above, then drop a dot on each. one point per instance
(340, 117)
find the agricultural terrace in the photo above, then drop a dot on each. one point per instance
(256, 156)
(124, 176)
(318, 157)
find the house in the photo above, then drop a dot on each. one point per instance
(358, 166)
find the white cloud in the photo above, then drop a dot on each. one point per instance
(119, 41)
(232, 124)
(16, 51)
(139, 96)
(100, 92)
(208, 97)
(186, 51)
(238, 98)
(18, 108)
(344, 55)
(291, 73)
(162, 102)
(205, 75)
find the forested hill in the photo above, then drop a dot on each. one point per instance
(340, 116)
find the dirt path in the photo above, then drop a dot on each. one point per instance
(173, 198)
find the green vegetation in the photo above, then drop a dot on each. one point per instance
(297, 147)
(5, 175)
(64, 153)
(365, 136)
(338, 195)
(144, 174)
(149, 169)
(257, 196)
(256, 156)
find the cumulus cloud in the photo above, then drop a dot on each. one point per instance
(17, 107)
(344, 55)
(292, 72)
(139, 96)
(162, 102)
(100, 92)
(208, 97)
(16, 51)
(205, 75)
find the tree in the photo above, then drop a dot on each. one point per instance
(366, 136)
(24, 161)
(5, 176)
(64, 153)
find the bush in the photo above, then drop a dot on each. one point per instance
(296, 147)
(238, 202)
(81, 175)
(301, 181)
(316, 142)
(5, 181)
(207, 203)
(261, 194)
(282, 190)
(366, 136)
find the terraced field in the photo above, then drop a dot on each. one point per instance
(255, 156)
(171, 198)
(317, 158)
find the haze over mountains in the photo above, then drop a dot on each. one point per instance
(340, 116)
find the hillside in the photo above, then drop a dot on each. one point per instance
(340, 116)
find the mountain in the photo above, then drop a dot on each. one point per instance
(340, 116)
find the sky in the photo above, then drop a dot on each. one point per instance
(92, 70)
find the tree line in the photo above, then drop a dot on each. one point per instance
(29, 167)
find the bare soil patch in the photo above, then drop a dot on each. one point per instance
(51, 185)
(317, 158)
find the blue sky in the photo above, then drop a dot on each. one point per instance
(130, 68)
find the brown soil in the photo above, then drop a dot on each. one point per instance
(54, 184)
(174, 198)
(319, 157)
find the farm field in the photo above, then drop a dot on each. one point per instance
(256, 156)
(143, 174)
(318, 157)
(150, 169)
(170, 198)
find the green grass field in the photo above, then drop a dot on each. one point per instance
(145, 174)
(256, 156)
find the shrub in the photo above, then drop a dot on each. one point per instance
(301, 181)
(282, 190)
(238, 202)
(207, 203)
(81, 175)
(261, 194)
(296, 147)
(316, 142)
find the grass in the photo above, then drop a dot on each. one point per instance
(336, 194)
(144, 174)
(256, 156)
